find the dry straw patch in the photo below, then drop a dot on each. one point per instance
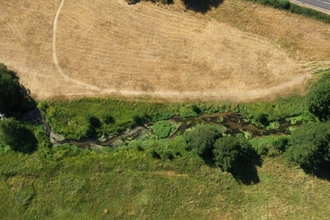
(236, 52)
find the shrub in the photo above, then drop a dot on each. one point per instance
(162, 129)
(186, 112)
(17, 136)
(309, 145)
(93, 121)
(201, 139)
(226, 151)
(285, 3)
(108, 119)
(318, 99)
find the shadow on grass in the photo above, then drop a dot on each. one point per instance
(320, 171)
(245, 171)
(201, 6)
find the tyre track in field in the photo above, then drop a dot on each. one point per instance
(55, 60)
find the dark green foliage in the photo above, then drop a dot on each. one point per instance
(155, 155)
(237, 156)
(201, 5)
(93, 121)
(189, 111)
(17, 136)
(281, 143)
(310, 145)
(162, 129)
(284, 3)
(141, 120)
(201, 139)
(318, 99)
(261, 119)
(108, 119)
(226, 151)
(11, 96)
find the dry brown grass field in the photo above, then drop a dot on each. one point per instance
(239, 51)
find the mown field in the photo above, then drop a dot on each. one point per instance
(238, 52)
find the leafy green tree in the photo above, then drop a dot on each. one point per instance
(11, 96)
(226, 151)
(310, 145)
(237, 156)
(318, 99)
(201, 139)
(17, 136)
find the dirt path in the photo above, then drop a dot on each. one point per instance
(67, 78)
(105, 47)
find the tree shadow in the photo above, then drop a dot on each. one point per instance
(321, 171)
(19, 138)
(245, 170)
(201, 6)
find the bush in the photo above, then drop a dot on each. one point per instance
(17, 136)
(11, 95)
(318, 99)
(309, 145)
(186, 112)
(93, 121)
(201, 139)
(226, 151)
(108, 119)
(285, 3)
(162, 129)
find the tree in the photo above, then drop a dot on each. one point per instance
(17, 136)
(11, 96)
(201, 139)
(236, 155)
(226, 151)
(310, 145)
(14, 98)
(318, 99)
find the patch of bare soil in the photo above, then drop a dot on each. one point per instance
(93, 48)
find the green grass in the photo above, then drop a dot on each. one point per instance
(129, 183)
(281, 108)
(70, 118)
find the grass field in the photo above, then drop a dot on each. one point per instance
(130, 184)
(238, 52)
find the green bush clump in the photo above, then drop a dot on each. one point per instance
(17, 136)
(318, 99)
(201, 139)
(186, 112)
(230, 152)
(310, 145)
(162, 129)
(14, 98)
